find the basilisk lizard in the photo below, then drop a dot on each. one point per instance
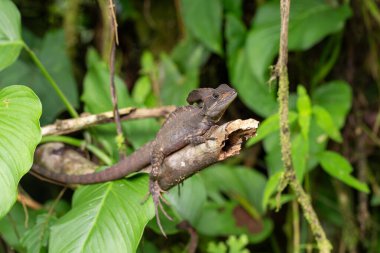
(186, 125)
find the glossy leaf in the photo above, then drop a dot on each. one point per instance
(141, 89)
(51, 51)
(203, 19)
(336, 98)
(180, 71)
(189, 204)
(325, 122)
(236, 182)
(36, 238)
(20, 110)
(234, 7)
(270, 125)
(250, 70)
(12, 226)
(10, 33)
(337, 166)
(107, 217)
(177, 85)
(236, 33)
(304, 111)
(300, 155)
(271, 187)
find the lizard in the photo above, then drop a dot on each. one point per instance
(186, 125)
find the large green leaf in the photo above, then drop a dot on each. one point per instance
(20, 110)
(300, 155)
(12, 226)
(189, 204)
(107, 217)
(177, 85)
(335, 97)
(236, 33)
(237, 182)
(270, 188)
(36, 239)
(203, 19)
(326, 122)
(51, 51)
(338, 167)
(10, 33)
(180, 71)
(250, 72)
(270, 125)
(304, 111)
(233, 6)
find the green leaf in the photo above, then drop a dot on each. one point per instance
(36, 239)
(335, 97)
(337, 166)
(141, 89)
(270, 125)
(304, 111)
(105, 217)
(306, 27)
(189, 204)
(189, 55)
(241, 183)
(300, 155)
(203, 19)
(23, 71)
(217, 220)
(15, 224)
(249, 69)
(10, 33)
(235, 34)
(20, 110)
(177, 85)
(234, 7)
(325, 122)
(270, 188)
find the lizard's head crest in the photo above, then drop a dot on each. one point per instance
(213, 102)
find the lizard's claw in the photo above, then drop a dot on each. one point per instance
(156, 192)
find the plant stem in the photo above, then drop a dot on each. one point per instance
(53, 84)
(289, 176)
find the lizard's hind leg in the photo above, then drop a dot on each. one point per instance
(155, 189)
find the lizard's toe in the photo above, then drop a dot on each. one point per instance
(156, 192)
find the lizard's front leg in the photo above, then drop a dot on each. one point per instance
(200, 137)
(155, 190)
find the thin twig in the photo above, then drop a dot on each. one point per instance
(289, 177)
(72, 125)
(121, 141)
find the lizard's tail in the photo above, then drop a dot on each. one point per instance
(133, 163)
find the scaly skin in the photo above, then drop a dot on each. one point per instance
(186, 125)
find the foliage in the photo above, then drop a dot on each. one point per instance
(222, 41)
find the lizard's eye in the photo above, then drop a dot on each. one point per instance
(215, 95)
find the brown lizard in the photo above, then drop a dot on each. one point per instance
(186, 125)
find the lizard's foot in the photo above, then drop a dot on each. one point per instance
(156, 192)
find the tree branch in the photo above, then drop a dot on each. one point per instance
(129, 113)
(225, 141)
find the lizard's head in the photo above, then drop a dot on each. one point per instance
(214, 102)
